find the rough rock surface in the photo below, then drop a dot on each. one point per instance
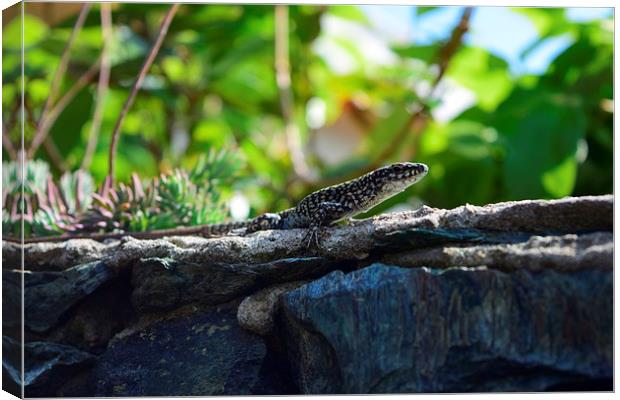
(47, 365)
(560, 253)
(162, 284)
(256, 312)
(179, 315)
(48, 295)
(204, 354)
(53, 256)
(516, 220)
(92, 322)
(387, 329)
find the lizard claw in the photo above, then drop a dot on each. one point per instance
(313, 235)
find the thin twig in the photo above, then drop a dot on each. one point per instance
(8, 145)
(11, 121)
(48, 122)
(445, 56)
(447, 52)
(102, 87)
(287, 102)
(58, 75)
(137, 85)
(54, 154)
(13, 116)
(48, 144)
(422, 113)
(419, 118)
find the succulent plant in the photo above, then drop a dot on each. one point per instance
(45, 208)
(177, 198)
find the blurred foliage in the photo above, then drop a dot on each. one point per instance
(213, 86)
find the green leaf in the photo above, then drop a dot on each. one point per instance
(214, 132)
(66, 130)
(257, 159)
(482, 72)
(9, 94)
(549, 22)
(541, 131)
(546, 20)
(423, 10)
(305, 28)
(349, 12)
(463, 160)
(560, 180)
(133, 156)
(470, 139)
(385, 129)
(434, 140)
(35, 30)
(126, 46)
(249, 48)
(247, 84)
(38, 90)
(427, 53)
(174, 68)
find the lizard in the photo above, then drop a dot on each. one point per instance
(319, 209)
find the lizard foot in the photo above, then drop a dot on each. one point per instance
(313, 236)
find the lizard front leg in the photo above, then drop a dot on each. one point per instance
(322, 215)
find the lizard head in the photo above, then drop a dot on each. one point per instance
(397, 177)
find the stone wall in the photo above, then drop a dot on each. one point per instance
(513, 296)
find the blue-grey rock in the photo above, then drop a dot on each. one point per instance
(47, 365)
(386, 329)
(48, 295)
(162, 283)
(199, 354)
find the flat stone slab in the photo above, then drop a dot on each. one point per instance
(516, 221)
(48, 295)
(164, 284)
(47, 365)
(385, 329)
(560, 253)
(203, 354)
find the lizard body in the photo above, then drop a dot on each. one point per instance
(321, 208)
(334, 203)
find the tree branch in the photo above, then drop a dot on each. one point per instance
(48, 122)
(419, 118)
(6, 137)
(137, 85)
(447, 52)
(8, 145)
(48, 143)
(287, 103)
(54, 154)
(58, 75)
(102, 87)
(14, 114)
(445, 56)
